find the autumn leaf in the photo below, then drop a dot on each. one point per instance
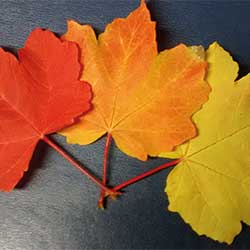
(145, 100)
(210, 187)
(39, 94)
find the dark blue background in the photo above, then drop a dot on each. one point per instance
(54, 206)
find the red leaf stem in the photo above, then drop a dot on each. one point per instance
(105, 163)
(78, 166)
(146, 174)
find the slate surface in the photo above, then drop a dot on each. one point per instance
(54, 207)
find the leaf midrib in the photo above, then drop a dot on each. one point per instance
(217, 142)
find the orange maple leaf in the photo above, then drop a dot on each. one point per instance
(145, 100)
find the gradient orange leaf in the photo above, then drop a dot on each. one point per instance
(145, 100)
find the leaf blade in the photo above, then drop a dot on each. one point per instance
(135, 87)
(218, 160)
(37, 97)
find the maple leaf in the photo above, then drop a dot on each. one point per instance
(39, 94)
(145, 100)
(210, 187)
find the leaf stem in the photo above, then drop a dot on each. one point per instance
(82, 169)
(104, 177)
(146, 174)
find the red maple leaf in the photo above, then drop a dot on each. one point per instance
(39, 94)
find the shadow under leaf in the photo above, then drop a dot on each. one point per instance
(36, 163)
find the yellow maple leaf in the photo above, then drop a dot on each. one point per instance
(145, 100)
(210, 187)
